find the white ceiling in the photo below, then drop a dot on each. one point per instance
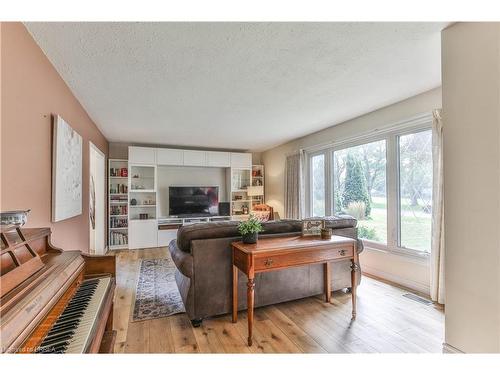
(237, 85)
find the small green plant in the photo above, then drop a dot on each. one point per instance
(252, 225)
(367, 233)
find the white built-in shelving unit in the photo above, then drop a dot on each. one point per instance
(141, 227)
(117, 204)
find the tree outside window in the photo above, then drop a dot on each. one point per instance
(359, 188)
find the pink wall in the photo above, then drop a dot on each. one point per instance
(32, 90)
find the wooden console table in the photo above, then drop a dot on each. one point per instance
(270, 254)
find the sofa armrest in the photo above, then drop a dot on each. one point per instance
(183, 261)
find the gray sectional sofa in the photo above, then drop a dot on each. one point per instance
(202, 254)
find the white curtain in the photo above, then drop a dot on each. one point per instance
(294, 186)
(437, 243)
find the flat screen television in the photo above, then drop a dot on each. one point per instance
(193, 200)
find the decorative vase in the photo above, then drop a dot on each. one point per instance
(326, 233)
(250, 237)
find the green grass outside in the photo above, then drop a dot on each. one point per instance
(415, 224)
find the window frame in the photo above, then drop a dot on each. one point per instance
(390, 134)
(398, 175)
(309, 203)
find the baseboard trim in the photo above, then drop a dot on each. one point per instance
(449, 349)
(410, 284)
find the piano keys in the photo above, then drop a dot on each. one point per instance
(71, 332)
(61, 302)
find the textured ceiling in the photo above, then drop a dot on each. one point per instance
(237, 85)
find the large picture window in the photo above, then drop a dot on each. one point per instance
(384, 181)
(359, 188)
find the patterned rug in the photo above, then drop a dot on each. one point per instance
(157, 295)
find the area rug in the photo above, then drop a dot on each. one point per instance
(156, 294)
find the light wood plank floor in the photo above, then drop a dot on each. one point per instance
(386, 322)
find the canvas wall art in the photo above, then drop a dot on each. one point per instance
(66, 171)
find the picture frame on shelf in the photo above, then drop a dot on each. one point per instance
(312, 227)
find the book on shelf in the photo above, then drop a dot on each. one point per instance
(118, 238)
(117, 223)
(118, 172)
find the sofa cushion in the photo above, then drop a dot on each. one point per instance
(223, 229)
(336, 221)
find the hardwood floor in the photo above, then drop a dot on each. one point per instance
(386, 322)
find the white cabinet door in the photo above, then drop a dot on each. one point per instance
(195, 158)
(165, 236)
(142, 234)
(167, 156)
(241, 160)
(142, 155)
(218, 159)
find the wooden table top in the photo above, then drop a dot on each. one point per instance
(296, 242)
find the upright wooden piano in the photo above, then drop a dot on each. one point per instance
(53, 301)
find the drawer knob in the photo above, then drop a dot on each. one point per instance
(268, 262)
(342, 252)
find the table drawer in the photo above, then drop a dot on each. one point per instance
(296, 258)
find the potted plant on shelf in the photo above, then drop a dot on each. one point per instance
(250, 229)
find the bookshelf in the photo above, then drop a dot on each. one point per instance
(118, 204)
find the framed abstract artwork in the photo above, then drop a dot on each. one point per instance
(66, 171)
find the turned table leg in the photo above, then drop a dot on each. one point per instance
(354, 285)
(235, 294)
(250, 303)
(327, 281)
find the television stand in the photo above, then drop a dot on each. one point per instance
(185, 220)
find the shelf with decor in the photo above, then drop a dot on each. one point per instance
(142, 205)
(142, 213)
(238, 181)
(256, 189)
(118, 188)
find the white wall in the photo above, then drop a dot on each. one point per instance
(471, 120)
(188, 176)
(413, 273)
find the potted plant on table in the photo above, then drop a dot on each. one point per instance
(250, 229)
